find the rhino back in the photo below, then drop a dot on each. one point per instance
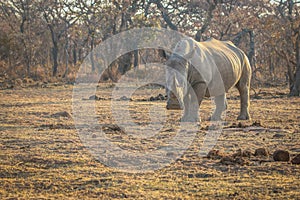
(228, 59)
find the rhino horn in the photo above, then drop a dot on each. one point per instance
(174, 82)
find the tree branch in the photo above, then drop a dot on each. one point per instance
(164, 13)
(212, 7)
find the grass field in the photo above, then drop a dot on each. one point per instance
(43, 157)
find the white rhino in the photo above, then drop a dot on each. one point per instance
(203, 69)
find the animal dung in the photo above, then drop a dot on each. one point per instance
(261, 152)
(296, 160)
(281, 155)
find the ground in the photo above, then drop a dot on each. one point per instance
(43, 157)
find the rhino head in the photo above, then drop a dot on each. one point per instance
(177, 74)
(176, 82)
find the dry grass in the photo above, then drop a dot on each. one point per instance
(42, 157)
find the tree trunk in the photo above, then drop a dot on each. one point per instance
(54, 51)
(251, 53)
(271, 67)
(74, 55)
(295, 87)
(67, 57)
(28, 66)
(136, 59)
(27, 57)
(295, 91)
(55, 58)
(92, 55)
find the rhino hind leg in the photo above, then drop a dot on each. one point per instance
(221, 105)
(244, 88)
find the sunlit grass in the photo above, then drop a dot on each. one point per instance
(43, 157)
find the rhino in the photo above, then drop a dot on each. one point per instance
(206, 69)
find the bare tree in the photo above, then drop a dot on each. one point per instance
(58, 20)
(289, 13)
(21, 19)
(50, 34)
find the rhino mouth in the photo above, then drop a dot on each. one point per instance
(174, 106)
(173, 102)
(176, 91)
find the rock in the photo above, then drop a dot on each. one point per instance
(124, 98)
(94, 97)
(256, 123)
(113, 128)
(61, 114)
(261, 152)
(278, 135)
(159, 97)
(28, 81)
(152, 99)
(296, 160)
(281, 155)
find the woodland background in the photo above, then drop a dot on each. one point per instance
(46, 41)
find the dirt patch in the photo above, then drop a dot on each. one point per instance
(42, 155)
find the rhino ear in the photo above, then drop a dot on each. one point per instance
(190, 54)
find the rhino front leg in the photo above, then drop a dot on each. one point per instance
(192, 103)
(221, 105)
